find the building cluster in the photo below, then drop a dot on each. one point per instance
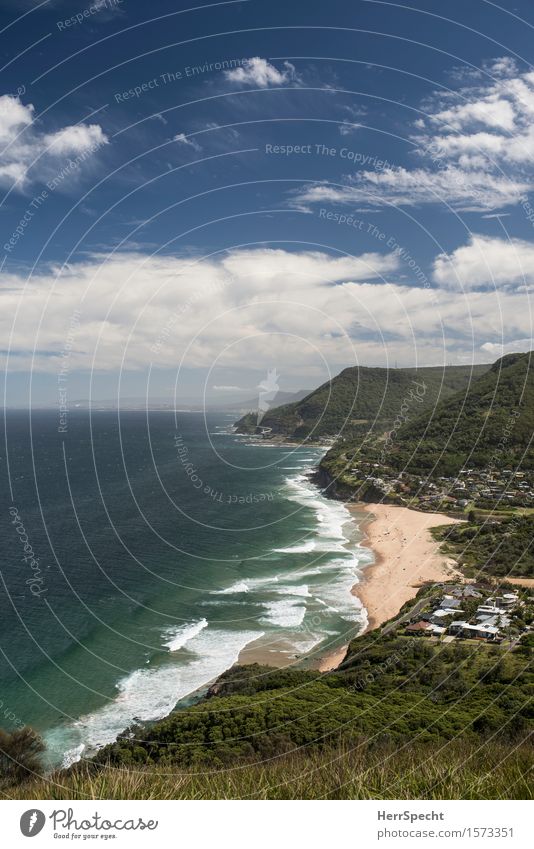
(469, 612)
(469, 489)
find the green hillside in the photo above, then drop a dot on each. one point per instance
(431, 693)
(485, 548)
(362, 398)
(490, 425)
(370, 729)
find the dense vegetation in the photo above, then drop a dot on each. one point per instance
(390, 690)
(360, 398)
(371, 729)
(488, 426)
(489, 547)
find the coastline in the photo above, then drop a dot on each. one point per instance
(406, 556)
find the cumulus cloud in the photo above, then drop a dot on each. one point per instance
(246, 309)
(13, 117)
(490, 121)
(473, 145)
(259, 72)
(491, 110)
(242, 294)
(30, 155)
(487, 261)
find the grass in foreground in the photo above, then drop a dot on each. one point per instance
(382, 771)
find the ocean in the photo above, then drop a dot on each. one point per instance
(141, 553)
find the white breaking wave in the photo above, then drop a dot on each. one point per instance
(181, 635)
(239, 587)
(246, 586)
(336, 593)
(303, 548)
(150, 694)
(72, 755)
(302, 591)
(332, 516)
(286, 613)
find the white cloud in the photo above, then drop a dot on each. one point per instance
(517, 346)
(503, 66)
(474, 143)
(74, 140)
(247, 310)
(182, 139)
(464, 190)
(228, 388)
(243, 295)
(486, 262)
(259, 72)
(28, 154)
(492, 119)
(13, 117)
(492, 111)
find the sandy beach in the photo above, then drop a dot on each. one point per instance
(406, 556)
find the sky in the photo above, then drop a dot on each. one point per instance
(195, 197)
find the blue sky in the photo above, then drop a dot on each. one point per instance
(194, 196)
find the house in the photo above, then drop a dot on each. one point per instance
(425, 629)
(450, 601)
(439, 616)
(481, 631)
(507, 600)
(501, 621)
(489, 610)
(471, 592)
(419, 628)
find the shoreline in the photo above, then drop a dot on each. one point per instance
(405, 557)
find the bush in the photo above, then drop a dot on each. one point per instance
(20, 755)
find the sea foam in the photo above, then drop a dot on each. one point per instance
(150, 694)
(179, 637)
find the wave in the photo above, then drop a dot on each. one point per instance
(151, 694)
(331, 516)
(239, 587)
(300, 590)
(336, 593)
(286, 613)
(303, 548)
(246, 585)
(181, 635)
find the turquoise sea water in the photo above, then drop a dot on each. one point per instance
(162, 545)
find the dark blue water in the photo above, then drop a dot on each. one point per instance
(141, 553)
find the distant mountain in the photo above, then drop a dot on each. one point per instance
(491, 424)
(251, 406)
(362, 398)
(189, 404)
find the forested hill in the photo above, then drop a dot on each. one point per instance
(489, 425)
(360, 398)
